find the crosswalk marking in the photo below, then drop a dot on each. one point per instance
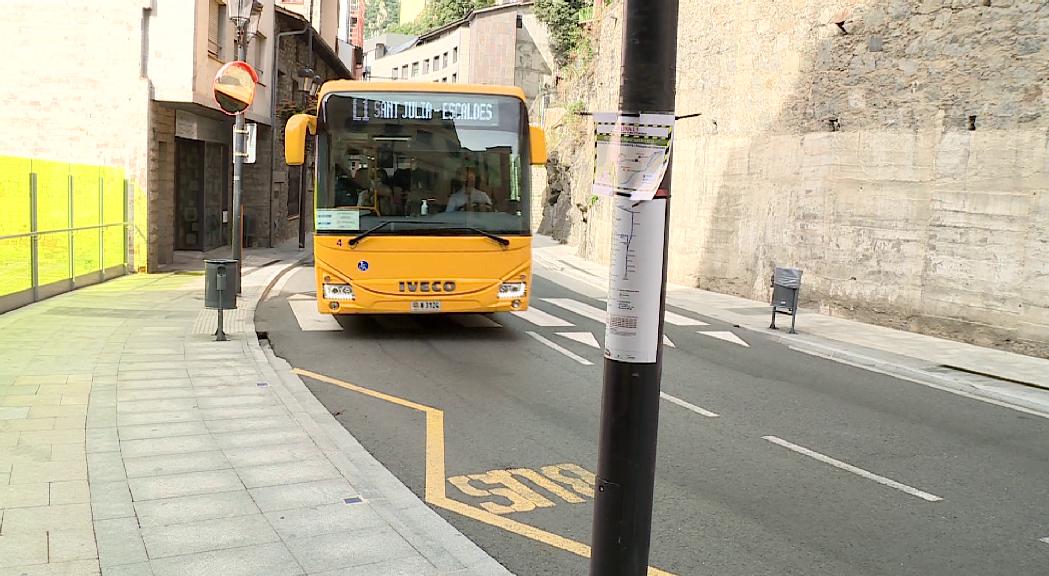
(309, 319)
(475, 321)
(561, 349)
(679, 320)
(581, 337)
(726, 336)
(584, 310)
(668, 342)
(540, 318)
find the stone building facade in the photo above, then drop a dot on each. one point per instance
(897, 151)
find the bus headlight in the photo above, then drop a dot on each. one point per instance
(338, 292)
(511, 290)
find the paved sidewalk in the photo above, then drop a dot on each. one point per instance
(133, 444)
(985, 372)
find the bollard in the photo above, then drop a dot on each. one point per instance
(220, 287)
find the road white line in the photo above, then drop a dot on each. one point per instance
(582, 337)
(540, 318)
(687, 405)
(1046, 540)
(679, 320)
(668, 341)
(584, 310)
(561, 349)
(850, 468)
(726, 336)
(309, 319)
(475, 321)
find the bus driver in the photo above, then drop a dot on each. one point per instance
(468, 196)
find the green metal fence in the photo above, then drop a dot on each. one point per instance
(62, 226)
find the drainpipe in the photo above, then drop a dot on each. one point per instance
(273, 113)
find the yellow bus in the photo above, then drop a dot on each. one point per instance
(422, 196)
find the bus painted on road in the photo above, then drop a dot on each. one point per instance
(422, 196)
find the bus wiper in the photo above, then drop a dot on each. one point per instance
(502, 241)
(356, 239)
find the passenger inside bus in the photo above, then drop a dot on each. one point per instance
(468, 197)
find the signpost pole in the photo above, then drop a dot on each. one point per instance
(239, 133)
(630, 400)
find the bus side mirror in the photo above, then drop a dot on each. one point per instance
(295, 138)
(538, 139)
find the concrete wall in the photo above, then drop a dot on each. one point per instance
(903, 163)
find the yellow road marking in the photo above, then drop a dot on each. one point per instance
(435, 489)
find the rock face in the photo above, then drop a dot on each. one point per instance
(896, 150)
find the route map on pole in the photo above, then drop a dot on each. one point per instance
(631, 333)
(632, 153)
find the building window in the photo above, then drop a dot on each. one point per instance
(394, 73)
(455, 55)
(258, 44)
(444, 60)
(404, 71)
(415, 69)
(520, 21)
(426, 67)
(216, 28)
(455, 77)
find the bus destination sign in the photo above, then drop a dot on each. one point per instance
(462, 112)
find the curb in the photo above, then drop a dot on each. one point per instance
(431, 535)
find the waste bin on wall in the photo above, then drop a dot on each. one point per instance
(786, 282)
(220, 288)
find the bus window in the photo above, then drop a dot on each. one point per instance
(440, 163)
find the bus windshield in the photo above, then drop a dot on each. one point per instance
(422, 163)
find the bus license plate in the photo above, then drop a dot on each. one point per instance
(426, 306)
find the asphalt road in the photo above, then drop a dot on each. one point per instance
(810, 467)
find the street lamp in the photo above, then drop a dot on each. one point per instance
(245, 15)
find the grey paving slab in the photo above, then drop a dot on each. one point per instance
(105, 467)
(23, 549)
(70, 545)
(411, 566)
(57, 411)
(265, 560)
(162, 430)
(157, 417)
(24, 495)
(68, 452)
(137, 569)
(155, 384)
(175, 464)
(349, 549)
(75, 422)
(23, 424)
(12, 412)
(72, 492)
(48, 437)
(326, 519)
(125, 395)
(102, 440)
(248, 412)
(303, 495)
(272, 454)
(33, 472)
(177, 445)
(73, 568)
(239, 401)
(272, 423)
(287, 473)
(176, 485)
(119, 542)
(156, 405)
(253, 438)
(111, 500)
(44, 518)
(25, 453)
(207, 535)
(195, 508)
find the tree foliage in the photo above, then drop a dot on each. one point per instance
(440, 12)
(380, 15)
(562, 20)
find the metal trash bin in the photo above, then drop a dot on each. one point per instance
(220, 289)
(786, 282)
